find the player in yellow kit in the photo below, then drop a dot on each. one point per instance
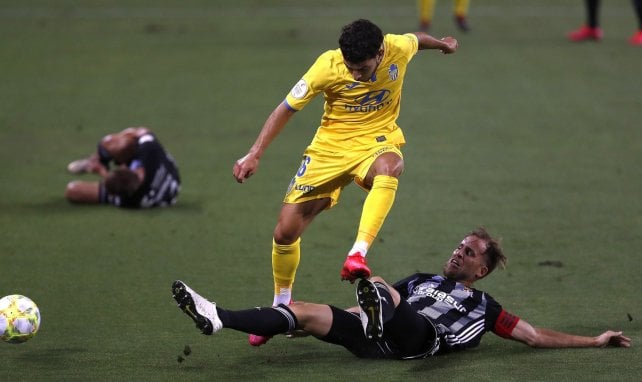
(426, 9)
(358, 140)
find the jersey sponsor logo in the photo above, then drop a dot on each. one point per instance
(424, 290)
(352, 85)
(371, 101)
(393, 72)
(299, 90)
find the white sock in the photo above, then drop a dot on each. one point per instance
(284, 297)
(359, 246)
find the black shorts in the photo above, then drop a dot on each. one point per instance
(407, 335)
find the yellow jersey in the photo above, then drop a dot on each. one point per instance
(356, 113)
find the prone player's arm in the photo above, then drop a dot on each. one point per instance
(547, 338)
(248, 165)
(96, 167)
(446, 45)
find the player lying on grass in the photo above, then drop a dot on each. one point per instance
(145, 175)
(419, 316)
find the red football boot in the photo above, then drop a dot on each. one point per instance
(355, 267)
(636, 39)
(255, 340)
(462, 23)
(586, 33)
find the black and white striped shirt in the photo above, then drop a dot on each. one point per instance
(162, 181)
(461, 315)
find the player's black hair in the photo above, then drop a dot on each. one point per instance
(360, 40)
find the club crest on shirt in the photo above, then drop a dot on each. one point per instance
(393, 72)
(299, 90)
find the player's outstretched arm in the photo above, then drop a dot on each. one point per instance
(248, 165)
(547, 338)
(94, 166)
(611, 338)
(446, 45)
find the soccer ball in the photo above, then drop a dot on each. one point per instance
(19, 318)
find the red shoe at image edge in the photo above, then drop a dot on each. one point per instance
(586, 33)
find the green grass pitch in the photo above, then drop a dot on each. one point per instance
(537, 139)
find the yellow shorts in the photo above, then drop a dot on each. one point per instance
(323, 174)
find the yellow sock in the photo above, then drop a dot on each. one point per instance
(461, 7)
(285, 261)
(426, 9)
(376, 207)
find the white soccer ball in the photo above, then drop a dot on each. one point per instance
(19, 318)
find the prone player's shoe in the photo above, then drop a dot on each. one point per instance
(79, 166)
(586, 33)
(370, 310)
(355, 267)
(256, 340)
(199, 309)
